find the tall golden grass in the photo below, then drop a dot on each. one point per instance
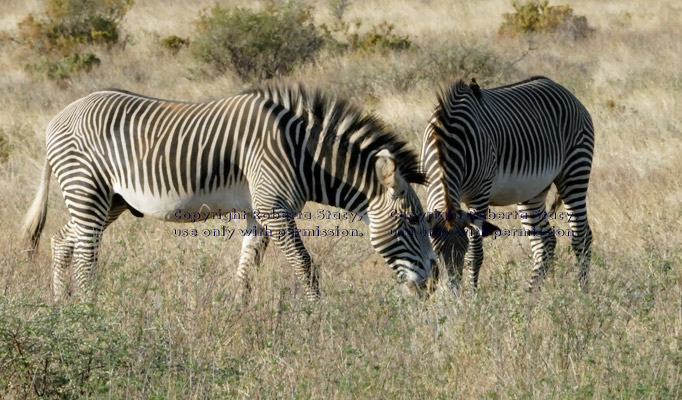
(166, 323)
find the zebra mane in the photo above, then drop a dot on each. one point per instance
(341, 121)
(446, 97)
(460, 90)
(439, 139)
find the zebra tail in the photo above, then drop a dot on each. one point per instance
(35, 217)
(438, 136)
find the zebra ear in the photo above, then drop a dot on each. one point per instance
(486, 228)
(385, 168)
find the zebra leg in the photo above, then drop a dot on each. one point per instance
(542, 240)
(92, 219)
(582, 246)
(62, 252)
(572, 187)
(474, 257)
(87, 246)
(85, 258)
(63, 243)
(573, 196)
(285, 234)
(253, 247)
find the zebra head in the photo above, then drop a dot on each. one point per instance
(397, 228)
(450, 232)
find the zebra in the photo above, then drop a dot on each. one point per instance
(502, 146)
(272, 148)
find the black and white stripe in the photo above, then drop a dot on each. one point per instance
(503, 146)
(274, 148)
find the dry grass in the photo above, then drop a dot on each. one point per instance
(166, 324)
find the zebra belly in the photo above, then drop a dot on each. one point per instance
(183, 207)
(510, 188)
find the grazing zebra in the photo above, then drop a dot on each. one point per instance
(271, 149)
(503, 146)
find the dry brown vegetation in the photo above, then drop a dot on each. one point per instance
(166, 323)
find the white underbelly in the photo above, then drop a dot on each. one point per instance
(172, 206)
(515, 188)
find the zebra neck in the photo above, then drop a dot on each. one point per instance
(337, 171)
(334, 192)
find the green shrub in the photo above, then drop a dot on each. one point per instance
(62, 68)
(68, 23)
(539, 16)
(64, 353)
(381, 37)
(257, 44)
(174, 43)
(71, 65)
(343, 35)
(64, 27)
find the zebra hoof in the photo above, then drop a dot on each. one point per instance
(584, 285)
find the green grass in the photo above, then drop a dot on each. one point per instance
(171, 329)
(166, 323)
